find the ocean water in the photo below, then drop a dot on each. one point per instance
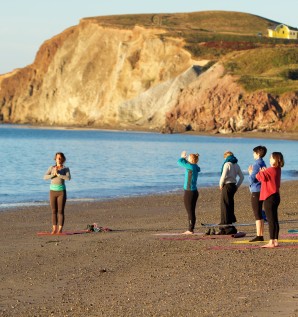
(112, 164)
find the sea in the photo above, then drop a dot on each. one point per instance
(114, 164)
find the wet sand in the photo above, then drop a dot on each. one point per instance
(134, 271)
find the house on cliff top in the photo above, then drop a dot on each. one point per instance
(283, 31)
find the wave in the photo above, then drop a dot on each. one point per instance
(290, 173)
(22, 204)
(285, 173)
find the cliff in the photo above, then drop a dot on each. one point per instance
(97, 75)
(215, 102)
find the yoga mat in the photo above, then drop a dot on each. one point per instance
(65, 233)
(194, 238)
(279, 240)
(293, 231)
(211, 225)
(285, 235)
(235, 235)
(178, 234)
(208, 237)
(244, 247)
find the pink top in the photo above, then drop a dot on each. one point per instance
(270, 181)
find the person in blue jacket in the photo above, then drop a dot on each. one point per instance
(255, 187)
(191, 193)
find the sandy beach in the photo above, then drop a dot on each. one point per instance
(136, 270)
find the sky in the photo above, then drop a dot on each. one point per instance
(26, 24)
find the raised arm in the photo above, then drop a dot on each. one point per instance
(183, 162)
(263, 175)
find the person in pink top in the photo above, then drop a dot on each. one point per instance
(270, 183)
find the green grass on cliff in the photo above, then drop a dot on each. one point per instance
(211, 21)
(261, 63)
(270, 69)
(207, 34)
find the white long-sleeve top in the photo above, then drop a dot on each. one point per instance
(230, 173)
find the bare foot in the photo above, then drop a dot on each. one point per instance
(187, 232)
(268, 245)
(53, 231)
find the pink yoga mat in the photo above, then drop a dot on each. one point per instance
(286, 235)
(208, 237)
(65, 233)
(243, 247)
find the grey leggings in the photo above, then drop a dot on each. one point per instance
(57, 202)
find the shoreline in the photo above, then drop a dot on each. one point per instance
(132, 271)
(74, 201)
(284, 135)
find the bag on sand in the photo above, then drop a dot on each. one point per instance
(95, 228)
(227, 230)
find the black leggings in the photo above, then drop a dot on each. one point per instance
(57, 202)
(190, 201)
(257, 205)
(271, 205)
(227, 203)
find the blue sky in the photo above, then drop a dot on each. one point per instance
(26, 24)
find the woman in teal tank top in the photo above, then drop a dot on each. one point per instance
(58, 174)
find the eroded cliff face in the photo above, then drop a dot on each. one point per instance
(95, 76)
(86, 74)
(215, 102)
